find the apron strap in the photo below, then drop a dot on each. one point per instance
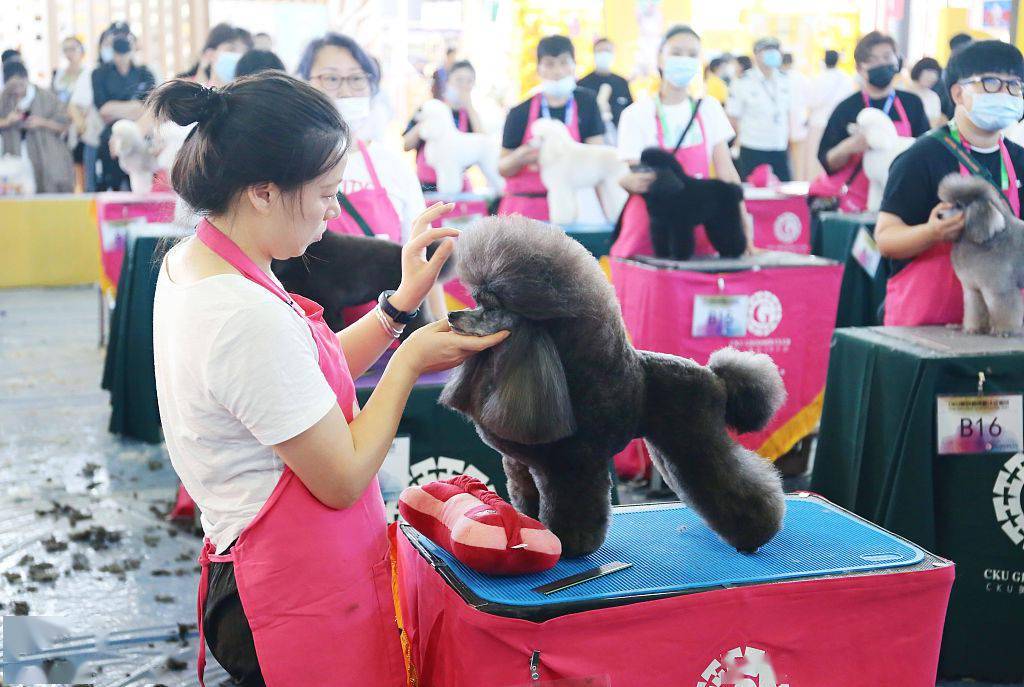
(689, 125)
(943, 136)
(348, 207)
(206, 556)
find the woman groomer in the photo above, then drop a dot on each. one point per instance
(696, 130)
(456, 91)
(985, 83)
(256, 394)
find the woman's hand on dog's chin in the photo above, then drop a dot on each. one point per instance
(419, 274)
(637, 182)
(436, 347)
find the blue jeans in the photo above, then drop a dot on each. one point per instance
(89, 163)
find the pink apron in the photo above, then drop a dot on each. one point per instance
(315, 582)
(635, 236)
(525, 193)
(927, 290)
(425, 173)
(849, 184)
(378, 214)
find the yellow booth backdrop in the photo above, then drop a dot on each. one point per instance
(49, 240)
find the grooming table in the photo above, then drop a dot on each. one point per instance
(790, 316)
(116, 212)
(832, 600)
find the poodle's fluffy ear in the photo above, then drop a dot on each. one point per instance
(531, 405)
(984, 209)
(983, 219)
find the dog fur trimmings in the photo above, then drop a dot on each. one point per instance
(451, 152)
(567, 391)
(988, 258)
(567, 166)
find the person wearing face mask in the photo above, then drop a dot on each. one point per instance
(759, 108)
(119, 88)
(559, 98)
(224, 46)
(696, 130)
(456, 91)
(32, 125)
(841, 152)
(985, 82)
(604, 57)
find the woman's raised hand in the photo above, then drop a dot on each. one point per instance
(418, 273)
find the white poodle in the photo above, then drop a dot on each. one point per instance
(884, 144)
(567, 166)
(141, 157)
(451, 152)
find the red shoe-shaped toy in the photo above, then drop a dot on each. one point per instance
(479, 528)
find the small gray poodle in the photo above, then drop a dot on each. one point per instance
(988, 258)
(567, 391)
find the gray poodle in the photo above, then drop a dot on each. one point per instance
(988, 258)
(567, 391)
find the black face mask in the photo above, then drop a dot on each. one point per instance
(882, 75)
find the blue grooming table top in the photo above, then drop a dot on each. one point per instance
(673, 551)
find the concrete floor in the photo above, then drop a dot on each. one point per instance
(126, 570)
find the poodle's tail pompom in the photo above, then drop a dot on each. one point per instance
(754, 387)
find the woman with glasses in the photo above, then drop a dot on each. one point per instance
(380, 195)
(455, 89)
(985, 83)
(841, 152)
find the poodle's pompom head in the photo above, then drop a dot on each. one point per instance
(877, 128)
(983, 207)
(532, 269)
(545, 128)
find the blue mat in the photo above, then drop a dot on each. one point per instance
(672, 551)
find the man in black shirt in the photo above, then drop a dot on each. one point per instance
(839, 152)
(559, 98)
(985, 83)
(621, 98)
(119, 88)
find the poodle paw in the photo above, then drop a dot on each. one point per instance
(1005, 333)
(577, 543)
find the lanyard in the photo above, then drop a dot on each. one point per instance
(888, 101)
(545, 111)
(1004, 177)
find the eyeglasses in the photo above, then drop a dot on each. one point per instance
(356, 83)
(994, 84)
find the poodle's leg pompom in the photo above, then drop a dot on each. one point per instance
(575, 503)
(754, 388)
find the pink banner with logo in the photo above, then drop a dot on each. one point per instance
(853, 631)
(781, 223)
(787, 312)
(115, 213)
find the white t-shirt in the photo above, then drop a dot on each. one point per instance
(638, 128)
(236, 372)
(762, 107)
(826, 91)
(396, 174)
(81, 96)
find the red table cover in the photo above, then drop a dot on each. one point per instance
(856, 631)
(114, 206)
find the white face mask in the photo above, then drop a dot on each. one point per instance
(603, 60)
(560, 88)
(353, 110)
(106, 53)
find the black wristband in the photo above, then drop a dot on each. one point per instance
(394, 313)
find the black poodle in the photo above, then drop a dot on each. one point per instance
(340, 271)
(678, 203)
(567, 391)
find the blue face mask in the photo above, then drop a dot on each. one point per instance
(679, 70)
(772, 58)
(225, 65)
(995, 111)
(558, 89)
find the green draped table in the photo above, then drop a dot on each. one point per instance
(860, 295)
(877, 455)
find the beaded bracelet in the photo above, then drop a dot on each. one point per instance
(388, 328)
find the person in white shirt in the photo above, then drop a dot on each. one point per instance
(695, 130)
(826, 90)
(760, 109)
(925, 73)
(798, 116)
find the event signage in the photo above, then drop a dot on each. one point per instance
(720, 315)
(979, 424)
